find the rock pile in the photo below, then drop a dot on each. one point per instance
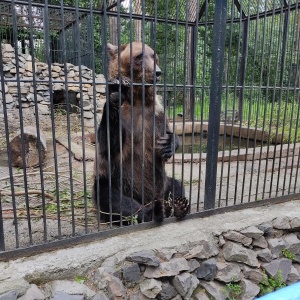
(233, 265)
(30, 81)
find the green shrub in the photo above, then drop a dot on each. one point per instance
(271, 284)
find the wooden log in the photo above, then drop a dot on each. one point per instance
(30, 141)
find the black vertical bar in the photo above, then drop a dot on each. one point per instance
(252, 98)
(284, 45)
(65, 53)
(193, 71)
(243, 64)
(175, 82)
(192, 94)
(2, 241)
(243, 68)
(218, 50)
(15, 37)
(131, 111)
(120, 110)
(105, 72)
(79, 52)
(49, 62)
(278, 123)
(143, 109)
(295, 98)
(153, 45)
(203, 83)
(37, 123)
(8, 149)
(227, 88)
(273, 114)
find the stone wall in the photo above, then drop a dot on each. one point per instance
(61, 80)
(239, 261)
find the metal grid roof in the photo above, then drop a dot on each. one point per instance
(183, 11)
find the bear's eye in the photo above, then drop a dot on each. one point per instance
(140, 56)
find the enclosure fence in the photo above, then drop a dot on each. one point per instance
(229, 89)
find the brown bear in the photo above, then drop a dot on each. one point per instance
(134, 142)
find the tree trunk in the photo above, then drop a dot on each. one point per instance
(30, 141)
(113, 28)
(192, 17)
(138, 23)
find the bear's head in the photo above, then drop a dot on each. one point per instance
(134, 58)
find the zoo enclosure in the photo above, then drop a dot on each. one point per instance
(221, 61)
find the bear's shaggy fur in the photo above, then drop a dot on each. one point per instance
(138, 186)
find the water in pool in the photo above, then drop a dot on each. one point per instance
(232, 143)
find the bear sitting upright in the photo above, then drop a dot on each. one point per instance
(130, 179)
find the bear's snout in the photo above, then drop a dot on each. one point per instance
(157, 73)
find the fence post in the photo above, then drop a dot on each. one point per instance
(2, 241)
(218, 49)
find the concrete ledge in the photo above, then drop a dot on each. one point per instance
(71, 262)
(266, 152)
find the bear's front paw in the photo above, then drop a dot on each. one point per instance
(164, 146)
(181, 206)
(114, 92)
(158, 211)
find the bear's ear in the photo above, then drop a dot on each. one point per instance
(113, 50)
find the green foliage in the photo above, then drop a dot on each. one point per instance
(51, 208)
(233, 291)
(288, 254)
(81, 279)
(272, 283)
(133, 220)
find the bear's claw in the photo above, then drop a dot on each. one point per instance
(165, 146)
(113, 86)
(181, 206)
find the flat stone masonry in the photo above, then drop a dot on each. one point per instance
(192, 259)
(30, 80)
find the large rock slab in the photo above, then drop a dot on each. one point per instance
(238, 237)
(185, 284)
(264, 255)
(68, 287)
(228, 272)
(33, 293)
(207, 270)
(276, 245)
(146, 257)
(250, 290)
(253, 274)
(151, 288)
(213, 289)
(292, 243)
(252, 232)
(169, 268)
(281, 223)
(260, 242)
(11, 295)
(293, 276)
(131, 274)
(237, 253)
(20, 286)
(282, 264)
(168, 291)
(203, 250)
